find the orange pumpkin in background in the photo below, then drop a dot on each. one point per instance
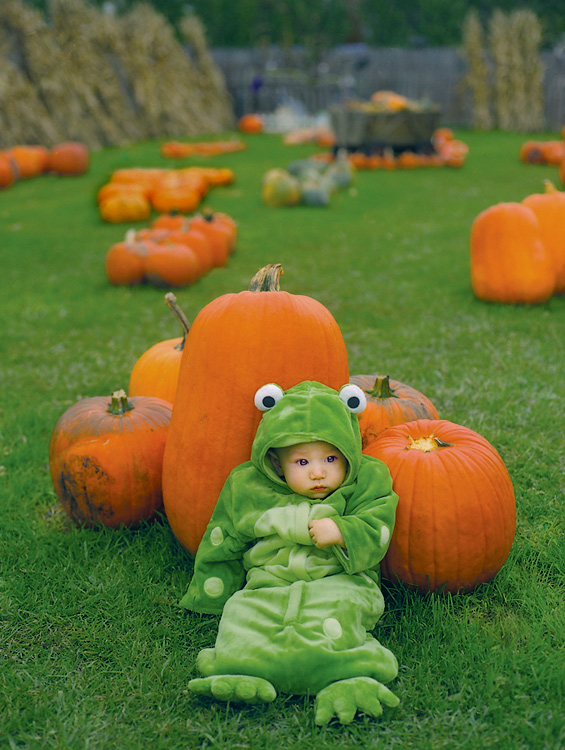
(106, 459)
(509, 262)
(456, 514)
(156, 372)
(236, 344)
(31, 160)
(389, 402)
(125, 260)
(70, 158)
(8, 170)
(251, 123)
(549, 207)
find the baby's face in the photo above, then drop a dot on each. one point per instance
(314, 470)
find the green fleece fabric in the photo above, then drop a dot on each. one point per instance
(293, 615)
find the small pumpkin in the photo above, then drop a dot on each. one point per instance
(171, 264)
(549, 207)
(106, 458)
(509, 262)
(125, 206)
(8, 170)
(69, 158)
(456, 514)
(156, 372)
(32, 160)
(251, 123)
(125, 260)
(220, 236)
(237, 343)
(389, 402)
(279, 188)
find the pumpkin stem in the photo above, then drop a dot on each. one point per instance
(381, 388)
(549, 187)
(171, 302)
(267, 279)
(119, 403)
(427, 444)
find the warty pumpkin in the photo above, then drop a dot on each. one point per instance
(236, 344)
(156, 372)
(389, 402)
(106, 459)
(456, 514)
(509, 262)
(549, 207)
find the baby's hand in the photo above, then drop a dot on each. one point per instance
(325, 532)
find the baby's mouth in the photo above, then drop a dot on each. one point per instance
(319, 488)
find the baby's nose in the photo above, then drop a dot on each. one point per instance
(317, 470)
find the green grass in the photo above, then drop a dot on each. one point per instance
(94, 649)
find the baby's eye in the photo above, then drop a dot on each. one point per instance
(302, 462)
(331, 459)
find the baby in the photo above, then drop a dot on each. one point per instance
(291, 557)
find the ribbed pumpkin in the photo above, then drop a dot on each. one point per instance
(456, 515)
(549, 207)
(236, 344)
(509, 262)
(156, 372)
(106, 457)
(389, 402)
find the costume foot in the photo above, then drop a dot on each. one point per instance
(344, 698)
(234, 687)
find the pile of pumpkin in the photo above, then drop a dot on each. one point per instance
(178, 150)
(23, 162)
(171, 445)
(447, 151)
(174, 251)
(517, 249)
(132, 193)
(307, 182)
(543, 152)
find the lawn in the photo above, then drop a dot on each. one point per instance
(95, 651)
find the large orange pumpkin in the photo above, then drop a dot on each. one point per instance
(156, 372)
(389, 402)
(236, 344)
(456, 515)
(509, 262)
(106, 457)
(549, 207)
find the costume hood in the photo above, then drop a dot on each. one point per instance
(305, 413)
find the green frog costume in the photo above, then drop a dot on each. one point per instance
(296, 618)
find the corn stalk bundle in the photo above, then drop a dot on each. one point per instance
(102, 80)
(501, 42)
(478, 76)
(529, 100)
(518, 75)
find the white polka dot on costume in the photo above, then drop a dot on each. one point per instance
(216, 536)
(385, 535)
(332, 628)
(213, 586)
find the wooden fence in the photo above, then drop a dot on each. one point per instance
(264, 79)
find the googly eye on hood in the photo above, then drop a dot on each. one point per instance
(304, 413)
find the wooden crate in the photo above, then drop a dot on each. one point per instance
(364, 130)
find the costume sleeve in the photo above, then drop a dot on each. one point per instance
(290, 522)
(368, 519)
(218, 568)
